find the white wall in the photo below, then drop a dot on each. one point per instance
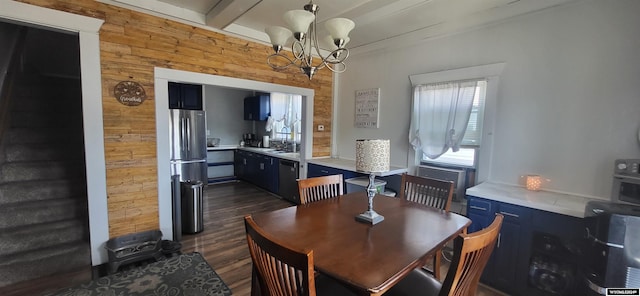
(225, 114)
(568, 98)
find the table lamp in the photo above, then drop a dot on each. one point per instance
(372, 156)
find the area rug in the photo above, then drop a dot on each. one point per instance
(187, 274)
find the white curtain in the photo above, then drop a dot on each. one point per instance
(440, 115)
(286, 113)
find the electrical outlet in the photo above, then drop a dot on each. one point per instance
(320, 128)
(208, 133)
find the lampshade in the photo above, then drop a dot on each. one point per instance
(298, 20)
(278, 35)
(339, 28)
(372, 155)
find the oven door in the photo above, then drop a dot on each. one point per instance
(626, 189)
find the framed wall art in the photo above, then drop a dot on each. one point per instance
(367, 108)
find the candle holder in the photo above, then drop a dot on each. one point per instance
(533, 182)
(372, 156)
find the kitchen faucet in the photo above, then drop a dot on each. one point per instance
(283, 132)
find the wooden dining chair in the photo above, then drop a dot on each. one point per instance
(284, 271)
(319, 188)
(427, 191)
(471, 254)
(430, 192)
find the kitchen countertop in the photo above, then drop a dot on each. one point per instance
(560, 203)
(222, 147)
(350, 165)
(295, 156)
(266, 151)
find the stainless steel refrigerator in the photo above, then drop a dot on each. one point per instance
(188, 145)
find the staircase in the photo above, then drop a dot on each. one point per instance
(43, 200)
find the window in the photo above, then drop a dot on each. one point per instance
(286, 115)
(465, 157)
(475, 151)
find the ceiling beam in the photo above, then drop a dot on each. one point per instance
(227, 11)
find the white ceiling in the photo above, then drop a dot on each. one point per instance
(379, 23)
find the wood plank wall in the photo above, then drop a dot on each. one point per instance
(131, 45)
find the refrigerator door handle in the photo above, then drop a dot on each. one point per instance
(188, 120)
(182, 136)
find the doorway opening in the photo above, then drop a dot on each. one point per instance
(43, 187)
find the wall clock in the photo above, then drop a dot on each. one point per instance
(129, 93)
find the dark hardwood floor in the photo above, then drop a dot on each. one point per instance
(222, 242)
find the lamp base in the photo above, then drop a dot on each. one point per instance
(370, 217)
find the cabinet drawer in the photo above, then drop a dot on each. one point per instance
(479, 205)
(512, 212)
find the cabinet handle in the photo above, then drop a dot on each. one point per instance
(324, 171)
(261, 166)
(595, 239)
(510, 214)
(499, 236)
(244, 161)
(478, 208)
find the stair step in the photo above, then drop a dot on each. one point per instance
(55, 259)
(43, 170)
(44, 136)
(23, 214)
(38, 236)
(37, 152)
(29, 191)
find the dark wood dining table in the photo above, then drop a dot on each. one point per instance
(369, 259)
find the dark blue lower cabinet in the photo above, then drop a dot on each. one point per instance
(520, 264)
(316, 170)
(240, 164)
(272, 176)
(257, 169)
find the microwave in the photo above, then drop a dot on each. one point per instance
(626, 182)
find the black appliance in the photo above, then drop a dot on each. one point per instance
(250, 140)
(552, 265)
(288, 182)
(612, 252)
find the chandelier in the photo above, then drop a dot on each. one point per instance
(303, 23)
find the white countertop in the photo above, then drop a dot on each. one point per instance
(560, 203)
(350, 165)
(295, 156)
(222, 147)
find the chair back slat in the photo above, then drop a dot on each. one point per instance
(281, 270)
(427, 191)
(319, 188)
(471, 254)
